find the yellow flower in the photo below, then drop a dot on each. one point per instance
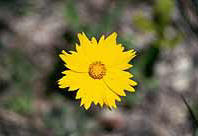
(97, 71)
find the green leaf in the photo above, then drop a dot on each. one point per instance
(143, 23)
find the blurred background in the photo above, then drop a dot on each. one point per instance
(163, 32)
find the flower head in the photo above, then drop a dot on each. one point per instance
(97, 71)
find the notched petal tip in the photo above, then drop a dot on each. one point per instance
(131, 89)
(72, 88)
(83, 39)
(102, 38)
(64, 52)
(118, 99)
(80, 34)
(123, 94)
(63, 56)
(94, 41)
(95, 102)
(87, 105)
(79, 94)
(65, 72)
(101, 104)
(114, 34)
(114, 105)
(133, 83)
(62, 86)
(84, 35)
(111, 39)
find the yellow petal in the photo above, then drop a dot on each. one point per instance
(75, 61)
(90, 90)
(94, 41)
(84, 41)
(111, 39)
(119, 81)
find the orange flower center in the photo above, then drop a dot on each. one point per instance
(97, 70)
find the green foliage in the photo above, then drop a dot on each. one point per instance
(189, 11)
(159, 23)
(63, 119)
(71, 14)
(126, 41)
(196, 133)
(18, 72)
(143, 23)
(107, 24)
(163, 10)
(132, 99)
(19, 69)
(195, 110)
(192, 114)
(19, 104)
(19, 7)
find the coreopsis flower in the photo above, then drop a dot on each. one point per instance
(97, 70)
